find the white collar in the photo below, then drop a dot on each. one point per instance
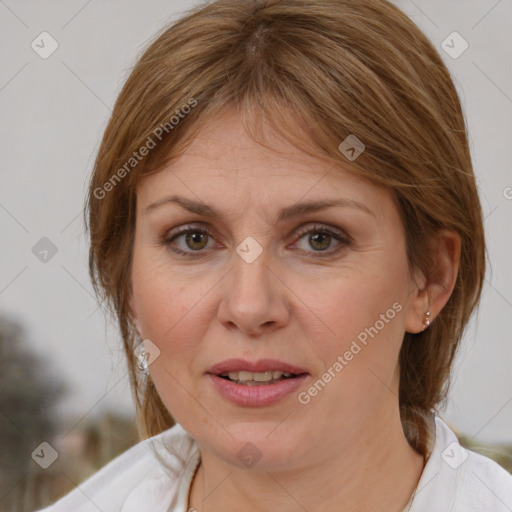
(454, 479)
(156, 475)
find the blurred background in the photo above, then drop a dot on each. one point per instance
(64, 395)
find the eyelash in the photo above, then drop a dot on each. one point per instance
(169, 239)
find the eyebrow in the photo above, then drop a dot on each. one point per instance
(288, 212)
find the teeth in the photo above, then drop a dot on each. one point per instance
(250, 377)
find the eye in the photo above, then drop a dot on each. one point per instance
(320, 239)
(193, 240)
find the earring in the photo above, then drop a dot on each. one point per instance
(142, 359)
(426, 322)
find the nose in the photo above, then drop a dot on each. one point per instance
(254, 298)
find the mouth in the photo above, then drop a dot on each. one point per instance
(264, 371)
(258, 378)
(256, 384)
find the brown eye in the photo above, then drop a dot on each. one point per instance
(320, 239)
(188, 241)
(196, 240)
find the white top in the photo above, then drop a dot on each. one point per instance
(453, 479)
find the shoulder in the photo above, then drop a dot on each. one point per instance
(460, 480)
(148, 474)
(484, 485)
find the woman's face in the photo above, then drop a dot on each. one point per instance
(268, 285)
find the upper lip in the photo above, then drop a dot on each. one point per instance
(262, 365)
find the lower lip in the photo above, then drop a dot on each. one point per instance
(258, 395)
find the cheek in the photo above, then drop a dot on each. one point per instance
(359, 359)
(163, 296)
(362, 314)
(170, 316)
(174, 313)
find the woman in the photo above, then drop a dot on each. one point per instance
(284, 218)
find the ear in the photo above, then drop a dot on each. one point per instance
(433, 293)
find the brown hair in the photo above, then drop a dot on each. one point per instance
(318, 71)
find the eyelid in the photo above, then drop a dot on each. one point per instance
(297, 231)
(326, 229)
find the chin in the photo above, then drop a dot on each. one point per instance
(260, 446)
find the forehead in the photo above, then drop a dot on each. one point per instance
(223, 159)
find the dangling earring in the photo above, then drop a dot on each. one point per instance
(142, 358)
(426, 322)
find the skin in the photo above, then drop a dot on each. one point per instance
(287, 305)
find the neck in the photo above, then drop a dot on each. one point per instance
(379, 474)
